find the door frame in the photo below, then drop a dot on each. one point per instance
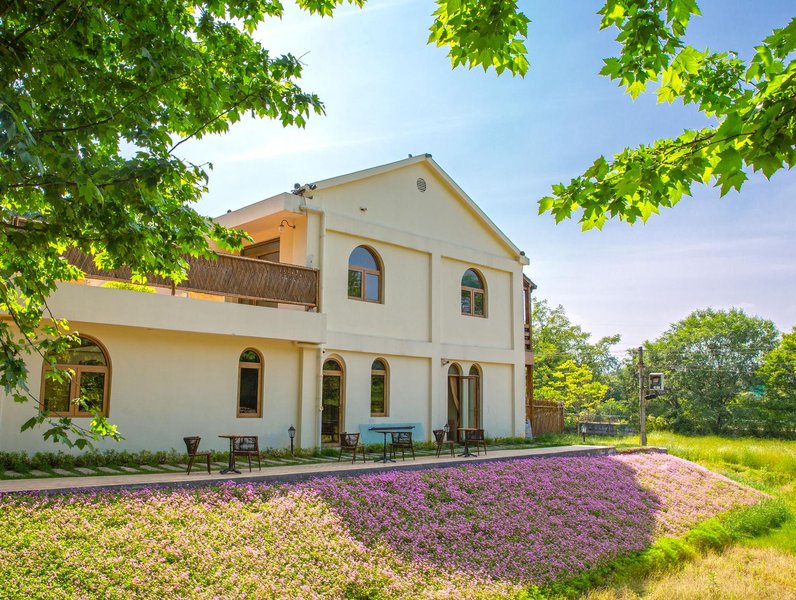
(341, 408)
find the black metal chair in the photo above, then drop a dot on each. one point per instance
(191, 445)
(475, 437)
(402, 440)
(349, 442)
(248, 446)
(439, 438)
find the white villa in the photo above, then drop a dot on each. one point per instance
(382, 297)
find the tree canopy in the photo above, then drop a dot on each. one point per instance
(710, 361)
(753, 103)
(568, 367)
(574, 386)
(777, 406)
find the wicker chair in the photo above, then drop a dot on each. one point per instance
(475, 437)
(402, 440)
(191, 445)
(439, 437)
(349, 442)
(248, 446)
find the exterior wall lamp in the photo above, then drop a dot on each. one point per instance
(283, 223)
(291, 432)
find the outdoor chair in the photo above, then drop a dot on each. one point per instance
(402, 440)
(349, 442)
(439, 437)
(192, 444)
(475, 437)
(248, 446)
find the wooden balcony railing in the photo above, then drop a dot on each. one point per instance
(229, 275)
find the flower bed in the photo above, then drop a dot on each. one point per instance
(465, 532)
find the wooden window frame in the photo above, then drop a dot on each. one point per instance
(472, 292)
(364, 272)
(250, 365)
(386, 373)
(74, 384)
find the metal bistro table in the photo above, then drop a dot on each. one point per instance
(231, 464)
(466, 441)
(384, 431)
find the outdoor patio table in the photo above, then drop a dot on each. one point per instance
(466, 441)
(384, 431)
(231, 464)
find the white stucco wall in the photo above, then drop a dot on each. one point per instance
(166, 385)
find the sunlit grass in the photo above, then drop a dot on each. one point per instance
(738, 573)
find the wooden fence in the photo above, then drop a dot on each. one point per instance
(546, 417)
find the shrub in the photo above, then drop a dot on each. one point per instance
(131, 287)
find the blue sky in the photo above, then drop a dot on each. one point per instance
(507, 140)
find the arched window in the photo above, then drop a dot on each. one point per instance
(473, 294)
(87, 388)
(379, 389)
(364, 275)
(250, 384)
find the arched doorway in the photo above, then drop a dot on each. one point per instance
(464, 399)
(332, 401)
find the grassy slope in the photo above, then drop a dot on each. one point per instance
(762, 567)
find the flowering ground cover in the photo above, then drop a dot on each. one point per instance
(484, 530)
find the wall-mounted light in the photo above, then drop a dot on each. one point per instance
(445, 361)
(282, 225)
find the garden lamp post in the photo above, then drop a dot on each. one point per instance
(292, 433)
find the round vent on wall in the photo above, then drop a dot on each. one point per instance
(421, 184)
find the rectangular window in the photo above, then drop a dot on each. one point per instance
(466, 302)
(371, 287)
(57, 395)
(479, 303)
(355, 284)
(377, 408)
(92, 390)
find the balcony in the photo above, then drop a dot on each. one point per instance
(227, 277)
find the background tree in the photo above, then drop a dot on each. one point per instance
(753, 103)
(556, 340)
(574, 386)
(709, 359)
(778, 376)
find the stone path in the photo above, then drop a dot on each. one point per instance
(45, 482)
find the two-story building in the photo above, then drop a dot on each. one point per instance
(385, 296)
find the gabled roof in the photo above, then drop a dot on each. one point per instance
(307, 189)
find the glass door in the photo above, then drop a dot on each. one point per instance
(332, 402)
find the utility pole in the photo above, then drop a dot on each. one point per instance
(642, 403)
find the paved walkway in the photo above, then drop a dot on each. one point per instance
(282, 473)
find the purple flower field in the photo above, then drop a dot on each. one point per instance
(479, 531)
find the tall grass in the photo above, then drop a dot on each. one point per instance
(775, 459)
